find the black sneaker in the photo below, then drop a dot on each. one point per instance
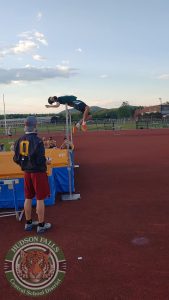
(42, 229)
(29, 227)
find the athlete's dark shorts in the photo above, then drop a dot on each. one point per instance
(36, 185)
(80, 106)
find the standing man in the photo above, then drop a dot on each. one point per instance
(30, 155)
(75, 103)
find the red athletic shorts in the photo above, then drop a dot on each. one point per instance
(36, 185)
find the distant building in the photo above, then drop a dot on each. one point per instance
(20, 122)
(163, 109)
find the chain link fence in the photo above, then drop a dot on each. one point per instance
(96, 124)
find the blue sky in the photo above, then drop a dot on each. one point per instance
(102, 51)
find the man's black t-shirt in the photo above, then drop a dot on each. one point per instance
(30, 153)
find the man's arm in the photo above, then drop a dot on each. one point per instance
(55, 105)
(16, 157)
(40, 152)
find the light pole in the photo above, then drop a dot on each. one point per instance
(4, 115)
(160, 99)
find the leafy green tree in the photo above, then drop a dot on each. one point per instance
(126, 110)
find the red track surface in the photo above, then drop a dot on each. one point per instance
(124, 187)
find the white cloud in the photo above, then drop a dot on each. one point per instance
(65, 62)
(103, 76)
(163, 77)
(28, 35)
(23, 47)
(40, 38)
(30, 41)
(39, 16)
(62, 68)
(38, 57)
(2, 53)
(29, 73)
(78, 50)
(17, 82)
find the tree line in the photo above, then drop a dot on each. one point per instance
(124, 111)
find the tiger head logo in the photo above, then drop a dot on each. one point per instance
(35, 265)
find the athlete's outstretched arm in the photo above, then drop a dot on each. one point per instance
(55, 105)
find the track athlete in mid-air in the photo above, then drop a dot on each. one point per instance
(72, 101)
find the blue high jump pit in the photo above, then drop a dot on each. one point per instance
(58, 177)
(61, 180)
(58, 182)
(7, 197)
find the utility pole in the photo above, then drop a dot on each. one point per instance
(4, 115)
(160, 99)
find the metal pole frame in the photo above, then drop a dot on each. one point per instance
(70, 127)
(18, 213)
(70, 196)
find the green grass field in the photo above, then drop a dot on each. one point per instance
(61, 127)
